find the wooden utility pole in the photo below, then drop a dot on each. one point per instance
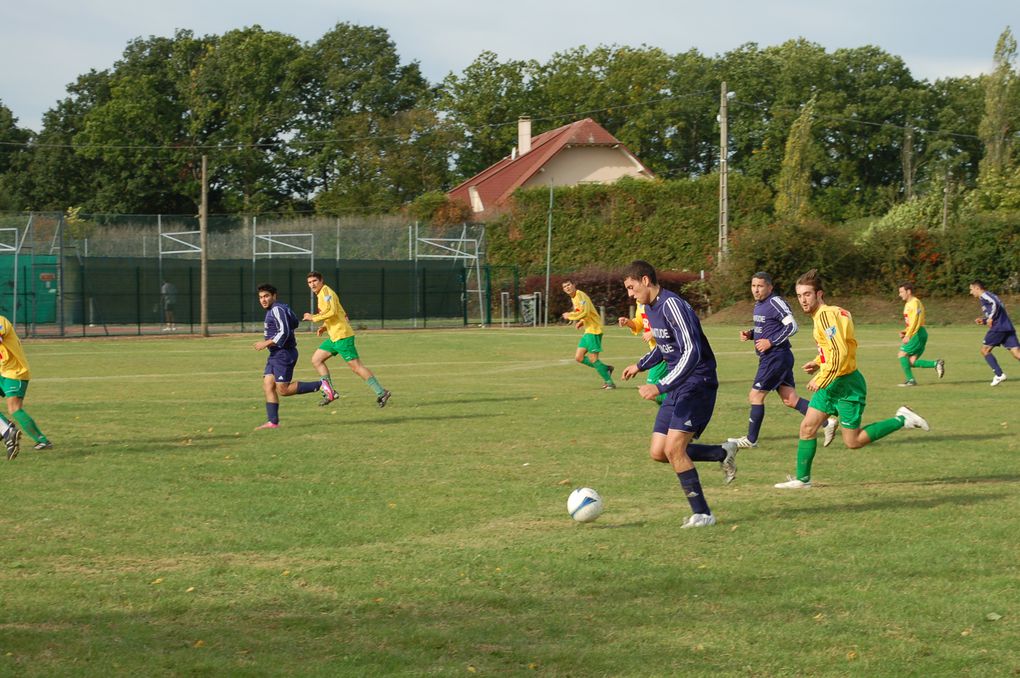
(203, 243)
(724, 151)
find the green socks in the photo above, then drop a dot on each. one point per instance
(905, 364)
(28, 426)
(374, 383)
(805, 455)
(881, 429)
(599, 367)
(925, 363)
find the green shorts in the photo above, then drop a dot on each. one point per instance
(13, 387)
(592, 342)
(845, 396)
(916, 344)
(657, 373)
(343, 347)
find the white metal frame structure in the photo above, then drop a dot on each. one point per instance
(463, 248)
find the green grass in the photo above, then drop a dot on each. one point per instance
(163, 536)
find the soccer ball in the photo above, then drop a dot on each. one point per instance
(584, 505)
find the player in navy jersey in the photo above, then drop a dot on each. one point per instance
(280, 324)
(690, 383)
(774, 324)
(1000, 329)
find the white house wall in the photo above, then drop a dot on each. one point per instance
(586, 164)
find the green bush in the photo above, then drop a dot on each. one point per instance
(672, 224)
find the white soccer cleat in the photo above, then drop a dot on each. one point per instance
(998, 379)
(830, 431)
(940, 368)
(729, 464)
(699, 520)
(793, 484)
(743, 442)
(912, 419)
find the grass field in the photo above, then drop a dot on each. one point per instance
(163, 536)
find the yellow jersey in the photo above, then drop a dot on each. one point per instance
(913, 316)
(13, 363)
(586, 312)
(837, 346)
(332, 314)
(639, 324)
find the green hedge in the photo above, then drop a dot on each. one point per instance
(672, 224)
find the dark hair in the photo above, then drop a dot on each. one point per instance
(812, 279)
(266, 287)
(314, 274)
(566, 281)
(979, 283)
(762, 275)
(909, 286)
(638, 269)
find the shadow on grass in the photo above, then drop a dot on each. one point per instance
(469, 401)
(895, 503)
(934, 437)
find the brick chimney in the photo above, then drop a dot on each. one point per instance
(523, 135)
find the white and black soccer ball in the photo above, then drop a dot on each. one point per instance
(584, 505)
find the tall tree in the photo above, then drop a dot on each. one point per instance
(1002, 110)
(368, 136)
(793, 187)
(13, 151)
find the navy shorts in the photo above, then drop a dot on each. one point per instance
(280, 364)
(775, 368)
(688, 408)
(1004, 339)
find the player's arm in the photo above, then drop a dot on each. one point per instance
(582, 310)
(331, 310)
(787, 323)
(690, 352)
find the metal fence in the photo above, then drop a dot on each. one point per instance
(96, 275)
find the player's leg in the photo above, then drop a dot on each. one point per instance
(297, 388)
(11, 435)
(16, 391)
(788, 394)
(905, 365)
(593, 344)
(348, 350)
(676, 450)
(325, 351)
(269, 391)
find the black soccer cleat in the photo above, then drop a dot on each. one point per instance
(384, 398)
(12, 440)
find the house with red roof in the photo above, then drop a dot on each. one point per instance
(581, 152)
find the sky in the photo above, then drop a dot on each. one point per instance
(46, 44)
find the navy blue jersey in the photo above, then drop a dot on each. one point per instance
(995, 313)
(280, 325)
(679, 341)
(774, 321)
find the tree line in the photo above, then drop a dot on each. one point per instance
(340, 125)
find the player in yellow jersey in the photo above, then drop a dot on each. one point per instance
(14, 377)
(838, 387)
(584, 314)
(639, 325)
(340, 340)
(914, 337)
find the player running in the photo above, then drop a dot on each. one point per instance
(340, 340)
(14, 378)
(279, 338)
(584, 314)
(1000, 329)
(774, 324)
(690, 383)
(838, 387)
(914, 337)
